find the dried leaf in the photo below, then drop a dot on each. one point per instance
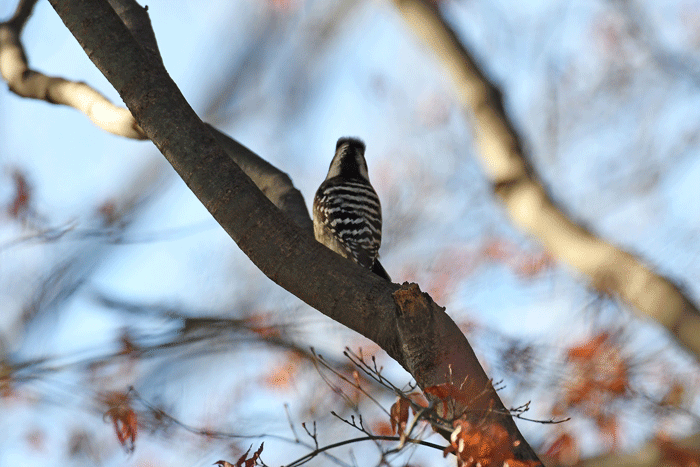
(243, 461)
(399, 414)
(483, 445)
(283, 376)
(123, 417)
(384, 428)
(20, 202)
(587, 350)
(674, 454)
(674, 396)
(564, 450)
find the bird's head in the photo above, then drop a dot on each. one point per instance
(349, 160)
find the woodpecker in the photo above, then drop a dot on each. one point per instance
(347, 213)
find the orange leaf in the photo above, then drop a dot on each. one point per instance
(382, 428)
(530, 266)
(441, 391)
(588, 349)
(483, 445)
(497, 250)
(123, 417)
(607, 426)
(283, 376)
(128, 348)
(678, 455)
(419, 399)
(243, 460)
(450, 391)
(20, 203)
(399, 414)
(674, 396)
(564, 450)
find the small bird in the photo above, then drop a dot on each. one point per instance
(347, 213)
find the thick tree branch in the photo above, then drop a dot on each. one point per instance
(275, 184)
(136, 19)
(288, 255)
(609, 268)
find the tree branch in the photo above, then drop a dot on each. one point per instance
(609, 268)
(289, 256)
(25, 82)
(275, 184)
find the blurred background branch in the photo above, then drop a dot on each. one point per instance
(609, 269)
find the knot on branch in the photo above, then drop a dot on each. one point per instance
(415, 319)
(411, 303)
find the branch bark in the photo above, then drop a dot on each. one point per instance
(275, 184)
(609, 269)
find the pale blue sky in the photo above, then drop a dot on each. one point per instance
(622, 158)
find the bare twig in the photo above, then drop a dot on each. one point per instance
(319, 359)
(313, 435)
(289, 420)
(304, 459)
(161, 415)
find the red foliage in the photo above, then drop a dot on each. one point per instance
(383, 428)
(446, 272)
(399, 414)
(5, 380)
(672, 454)
(564, 450)
(243, 461)
(455, 397)
(419, 399)
(128, 348)
(598, 367)
(522, 262)
(599, 375)
(283, 376)
(450, 393)
(459, 261)
(108, 211)
(487, 445)
(588, 349)
(444, 391)
(259, 324)
(123, 417)
(20, 203)
(607, 428)
(674, 396)
(531, 266)
(497, 250)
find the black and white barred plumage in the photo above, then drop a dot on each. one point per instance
(347, 212)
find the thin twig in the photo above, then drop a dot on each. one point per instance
(304, 459)
(291, 424)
